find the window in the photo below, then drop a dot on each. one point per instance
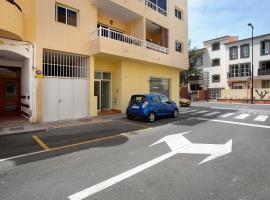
(164, 99)
(158, 5)
(245, 51)
(216, 62)
(245, 70)
(266, 84)
(233, 53)
(66, 15)
(264, 68)
(216, 46)
(178, 47)
(178, 13)
(234, 71)
(216, 78)
(160, 86)
(155, 99)
(103, 75)
(199, 61)
(265, 47)
(59, 64)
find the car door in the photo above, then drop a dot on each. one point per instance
(166, 106)
(157, 105)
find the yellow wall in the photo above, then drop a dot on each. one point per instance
(11, 21)
(129, 78)
(135, 79)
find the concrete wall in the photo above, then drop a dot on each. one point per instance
(244, 94)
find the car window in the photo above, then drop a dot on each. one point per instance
(137, 99)
(164, 99)
(155, 99)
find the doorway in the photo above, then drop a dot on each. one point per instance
(9, 92)
(102, 90)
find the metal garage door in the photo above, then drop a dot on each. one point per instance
(65, 86)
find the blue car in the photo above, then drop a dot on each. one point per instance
(151, 106)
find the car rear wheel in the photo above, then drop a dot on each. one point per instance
(175, 113)
(151, 117)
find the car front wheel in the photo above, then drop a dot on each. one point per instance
(175, 113)
(151, 117)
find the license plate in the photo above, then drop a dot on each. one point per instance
(136, 107)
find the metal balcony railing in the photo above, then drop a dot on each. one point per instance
(238, 75)
(155, 7)
(263, 72)
(114, 35)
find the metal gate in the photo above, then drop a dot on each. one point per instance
(65, 86)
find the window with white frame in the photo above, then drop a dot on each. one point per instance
(234, 71)
(178, 46)
(233, 53)
(245, 69)
(245, 51)
(66, 15)
(178, 13)
(60, 64)
(265, 47)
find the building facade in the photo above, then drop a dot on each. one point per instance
(229, 66)
(67, 59)
(213, 64)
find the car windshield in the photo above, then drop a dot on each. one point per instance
(137, 99)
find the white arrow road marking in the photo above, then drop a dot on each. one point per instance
(242, 116)
(178, 144)
(261, 118)
(227, 115)
(112, 181)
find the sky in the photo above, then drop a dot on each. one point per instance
(209, 19)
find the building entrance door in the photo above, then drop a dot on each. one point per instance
(9, 92)
(102, 92)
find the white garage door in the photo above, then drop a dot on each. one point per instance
(65, 86)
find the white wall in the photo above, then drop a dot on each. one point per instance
(257, 53)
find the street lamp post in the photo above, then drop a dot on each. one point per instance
(252, 64)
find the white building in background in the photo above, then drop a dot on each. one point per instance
(227, 61)
(213, 63)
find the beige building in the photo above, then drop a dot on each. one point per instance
(70, 59)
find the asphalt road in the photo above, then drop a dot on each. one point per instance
(115, 161)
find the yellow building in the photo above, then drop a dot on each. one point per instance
(70, 59)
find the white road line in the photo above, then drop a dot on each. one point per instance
(116, 179)
(211, 114)
(202, 112)
(242, 116)
(261, 118)
(189, 111)
(236, 123)
(227, 115)
(21, 156)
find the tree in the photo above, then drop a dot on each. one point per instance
(192, 73)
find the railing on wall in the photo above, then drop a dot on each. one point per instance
(238, 75)
(155, 7)
(114, 35)
(263, 72)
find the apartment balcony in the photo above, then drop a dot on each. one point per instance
(11, 21)
(137, 6)
(109, 42)
(238, 76)
(263, 72)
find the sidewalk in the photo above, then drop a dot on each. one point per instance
(24, 127)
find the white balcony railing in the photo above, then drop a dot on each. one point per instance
(156, 47)
(114, 35)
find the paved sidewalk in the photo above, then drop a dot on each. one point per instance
(24, 127)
